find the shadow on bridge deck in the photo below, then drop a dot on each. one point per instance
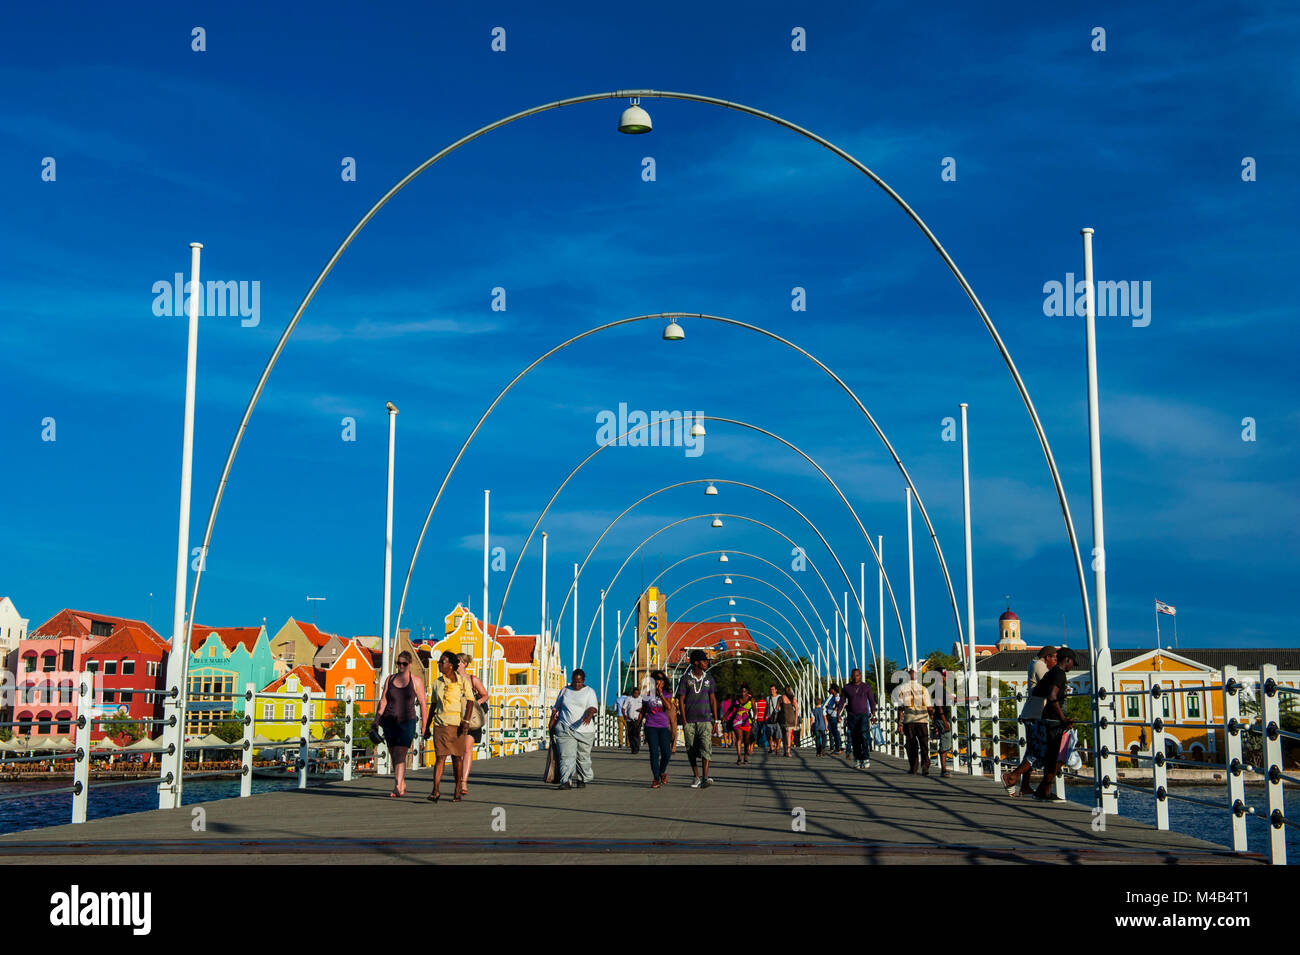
(882, 815)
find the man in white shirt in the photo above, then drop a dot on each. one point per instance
(573, 721)
(632, 716)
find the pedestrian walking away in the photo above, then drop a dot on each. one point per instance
(450, 700)
(699, 703)
(1039, 667)
(858, 701)
(819, 729)
(832, 708)
(401, 712)
(914, 723)
(772, 720)
(743, 722)
(789, 718)
(659, 718)
(631, 716)
(943, 722)
(474, 733)
(573, 719)
(1044, 734)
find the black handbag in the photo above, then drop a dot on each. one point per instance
(375, 734)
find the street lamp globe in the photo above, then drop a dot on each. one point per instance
(731, 602)
(717, 522)
(697, 430)
(634, 119)
(723, 558)
(674, 332)
(726, 581)
(710, 489)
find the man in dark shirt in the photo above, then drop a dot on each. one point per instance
(861, 704)
(1044, 734)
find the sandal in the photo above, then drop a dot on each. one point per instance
(432, 797)
(655, 784)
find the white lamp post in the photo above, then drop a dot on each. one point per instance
(169, 794)
(382, 765)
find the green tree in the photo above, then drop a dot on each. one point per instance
(5, 735)
(230, 730)
(336, 724)
(124, 732)
(938, 660)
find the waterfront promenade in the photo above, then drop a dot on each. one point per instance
(880, 816)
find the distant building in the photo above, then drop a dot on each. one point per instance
(665, 645)
(223, 661)
(296, 644)
(279, 718)
(1009, 638)
(50, 661)
(131, 668)
(13, 630)
(353, 667)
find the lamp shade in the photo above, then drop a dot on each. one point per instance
(697, 430)
(717, 522)
(710, 489)
(723, 558)
(673, 332)
(726, 581)
(634, 120)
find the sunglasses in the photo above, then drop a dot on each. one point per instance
(403, 663)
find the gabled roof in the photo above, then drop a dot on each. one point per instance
(76, 623)
(309, 678)
(518, 648)
(129, 638)
(231, 637)
(492, 629)
(683, 635)
(366, 654)
(317, 637)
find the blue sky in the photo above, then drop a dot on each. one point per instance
(240, 147)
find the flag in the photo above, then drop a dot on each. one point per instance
(1162, 607)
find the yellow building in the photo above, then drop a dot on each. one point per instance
(516, 685)
(270, 713)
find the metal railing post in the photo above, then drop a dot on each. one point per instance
(81, 767)
(1271, 716)
(246, 746)
(1233, 755)
(347, 735)
(1022, 734)
(302, 741)
(1159, 775)
(995, 747)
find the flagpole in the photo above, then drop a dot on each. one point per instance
(1157, 623)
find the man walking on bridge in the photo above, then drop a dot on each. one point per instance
(914, 723)
(699, 704)
(1044, 734)
(861, 704)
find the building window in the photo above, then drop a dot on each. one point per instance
(352, 664)
(47, 663)
(268, 711)
(125, 697)
(290, 711)
(100, 628)
(338, 692)
(128, 668)
(1133, 706)
(66, 666)
(29, 665)
(1194, 706)
(153, 669)
(110, 667)
(519, 679)
(92, 666)
(1164, 705)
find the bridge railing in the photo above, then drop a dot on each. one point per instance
(1250, 728)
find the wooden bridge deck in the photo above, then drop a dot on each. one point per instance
(882, 815)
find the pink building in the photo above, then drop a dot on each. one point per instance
(49, 662)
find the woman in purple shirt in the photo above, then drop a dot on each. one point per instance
(660, 721)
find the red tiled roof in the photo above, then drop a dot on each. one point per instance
(317, 637)
(683, 635)
(76, 623)
(129, 638)
(231, 637)
(309, 678)
(518, 648)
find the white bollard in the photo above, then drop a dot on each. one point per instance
(347, 735)
(1159, 775)
(81, 767)
(246, 747)
(1272, 724)
(1232, 734)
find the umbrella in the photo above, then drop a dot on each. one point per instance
(106, 743)
(60, 744)
(146, 746)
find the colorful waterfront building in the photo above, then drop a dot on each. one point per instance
(354, 668)
(50, 661)
(223, 660)
(13, 630)
(278, 718)
(296, 644)
(131, 672)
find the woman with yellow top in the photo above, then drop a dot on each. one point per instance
(449, 703)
